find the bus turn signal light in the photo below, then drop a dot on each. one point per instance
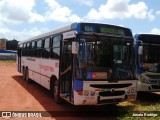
(80, 92)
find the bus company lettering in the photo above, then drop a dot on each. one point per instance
(57, 64)
(46, 68)
(31, 59)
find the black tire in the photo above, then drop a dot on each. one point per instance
(27, 76)
(24, 74)
(55, 91)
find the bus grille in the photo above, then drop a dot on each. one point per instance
(108, 86)
(153, 76)
(156, 86)
(109, 93)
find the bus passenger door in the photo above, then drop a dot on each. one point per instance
(66, 70)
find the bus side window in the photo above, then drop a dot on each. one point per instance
(24, 49)
(46, 50)
(28, 49)
(55, 48)
(33, 48)
(39, 47)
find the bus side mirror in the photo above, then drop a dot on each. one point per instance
(140, 50)
(75, 47)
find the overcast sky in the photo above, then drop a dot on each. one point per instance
(22, 19)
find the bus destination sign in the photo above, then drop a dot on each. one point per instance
(107, 29)
(89, 28)
(113, 31)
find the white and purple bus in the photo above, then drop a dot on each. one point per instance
(82, 63)
(148, 62)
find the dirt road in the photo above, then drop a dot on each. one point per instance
(18, 95)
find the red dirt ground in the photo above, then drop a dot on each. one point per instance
(18, 95)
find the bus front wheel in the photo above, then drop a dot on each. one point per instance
(24, 73)
(55, 91)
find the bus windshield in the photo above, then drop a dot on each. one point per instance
(151, 54)
(102, 57)
(150, 59)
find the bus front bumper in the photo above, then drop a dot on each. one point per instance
(146, 87)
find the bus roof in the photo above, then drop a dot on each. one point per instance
(147, 34)
(82, 27)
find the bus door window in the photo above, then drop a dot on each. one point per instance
(66, 76)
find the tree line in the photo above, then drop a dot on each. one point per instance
(11, 44)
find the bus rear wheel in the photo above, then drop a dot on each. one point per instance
(27, 76)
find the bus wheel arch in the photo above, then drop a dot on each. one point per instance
(54, 89)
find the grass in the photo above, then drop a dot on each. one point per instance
(144, 108)
(7, 61)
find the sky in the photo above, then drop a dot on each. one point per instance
(23, 19)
